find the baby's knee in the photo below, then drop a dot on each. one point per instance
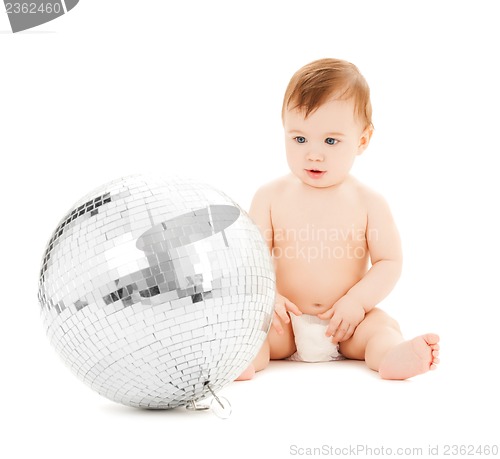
(381, 318)
(262, 358)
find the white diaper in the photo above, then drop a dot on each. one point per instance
(312, 344)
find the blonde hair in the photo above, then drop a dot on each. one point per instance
(313, 84)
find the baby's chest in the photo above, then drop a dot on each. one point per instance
(309, 222)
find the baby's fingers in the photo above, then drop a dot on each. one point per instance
(292, 308)
(276, 324)
(327, 315)
(282, 314)
(334, 324)
(344, 336)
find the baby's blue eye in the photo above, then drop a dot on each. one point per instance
(300, 139)
(331, 141)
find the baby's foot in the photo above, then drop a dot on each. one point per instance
(411, 358)
(249, 373)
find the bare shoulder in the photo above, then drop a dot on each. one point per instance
(371, 198)
(271, 189)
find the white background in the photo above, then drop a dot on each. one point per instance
(117, 87)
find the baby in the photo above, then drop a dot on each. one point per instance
(324, 228)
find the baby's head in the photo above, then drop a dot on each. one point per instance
(327, 119)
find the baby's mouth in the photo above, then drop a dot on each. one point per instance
(315, 173)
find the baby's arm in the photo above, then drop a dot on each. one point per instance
(384, 246)
(260, 213)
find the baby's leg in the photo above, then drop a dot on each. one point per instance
(378, 341)
(276, 347)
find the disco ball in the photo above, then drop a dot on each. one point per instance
(156, 292)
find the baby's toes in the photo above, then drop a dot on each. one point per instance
(432, 340)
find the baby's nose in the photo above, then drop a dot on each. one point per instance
(314, 155)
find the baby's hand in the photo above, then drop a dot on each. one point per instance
(281, 306)
(345, 315)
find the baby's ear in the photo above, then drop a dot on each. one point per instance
(364, 139)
